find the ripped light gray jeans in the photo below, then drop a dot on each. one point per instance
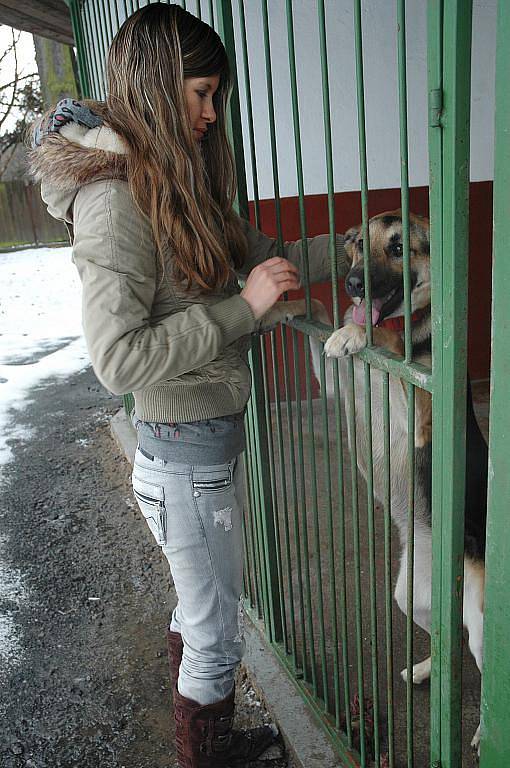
(195, 515)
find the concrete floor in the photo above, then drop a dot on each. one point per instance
(319, 565)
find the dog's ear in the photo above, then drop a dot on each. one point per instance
(422, 224)
(350, 238)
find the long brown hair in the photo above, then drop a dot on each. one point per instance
(186, 189)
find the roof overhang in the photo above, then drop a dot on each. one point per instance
(47, 18)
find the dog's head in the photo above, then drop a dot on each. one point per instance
(386, 266)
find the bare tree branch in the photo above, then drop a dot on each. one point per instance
(25, 77)
(10, 47)
(4, 117)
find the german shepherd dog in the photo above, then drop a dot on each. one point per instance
(386, 273)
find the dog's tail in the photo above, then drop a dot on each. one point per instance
(320, 313)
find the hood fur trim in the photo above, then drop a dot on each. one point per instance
(77, 155)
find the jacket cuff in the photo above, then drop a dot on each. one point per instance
(343, 263)
(234, 318)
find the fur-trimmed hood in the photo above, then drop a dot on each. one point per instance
(75, 156)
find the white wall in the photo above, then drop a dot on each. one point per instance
(381, 89)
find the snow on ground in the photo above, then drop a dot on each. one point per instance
(40, 337)
(40, 327)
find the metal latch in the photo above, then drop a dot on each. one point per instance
(435, 107)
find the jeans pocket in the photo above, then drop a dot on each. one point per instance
(151, 500)
(212, 479)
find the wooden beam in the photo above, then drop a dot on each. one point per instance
(47, 18)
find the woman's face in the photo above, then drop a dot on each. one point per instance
(199, 92)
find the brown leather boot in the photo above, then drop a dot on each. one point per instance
(205, 739)
(175, 648)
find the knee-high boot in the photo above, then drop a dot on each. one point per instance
(175, 648)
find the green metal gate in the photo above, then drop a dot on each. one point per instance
(311, 527)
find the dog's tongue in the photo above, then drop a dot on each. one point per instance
(359, 314)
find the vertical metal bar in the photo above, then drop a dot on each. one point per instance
(331, 538)
(297, 535)
(310, 640)
(211, 14)
(404, 172)
(268, 541)
(341, 551)
(351, 416)
(235, 131)
(362, 144)
(107, 15)
(284, 506)
(387, 569)
(329, 159)
(316, 528)
(410, 572)
(117, 18)
(495, 745)
(247, 566)
(449, 397)
(292, 457)
(98, 50)
(81, 49)
(252, 506)
(404, 197)
(89, 48)
(371, 558)
(272, 477)
(263, 579)
(249, 107)
(435, 140)
(102, 39)
(272, 128)
(299, 158)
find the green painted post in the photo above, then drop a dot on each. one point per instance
(449, 306)
(435, 84)
(495, 744)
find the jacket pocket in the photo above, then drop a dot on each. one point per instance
(151, 500)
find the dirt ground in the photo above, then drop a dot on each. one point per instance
(91, 687)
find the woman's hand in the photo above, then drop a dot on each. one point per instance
(266, 283)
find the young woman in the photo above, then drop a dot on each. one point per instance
(145, 183)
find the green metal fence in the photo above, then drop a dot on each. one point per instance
(319, 550)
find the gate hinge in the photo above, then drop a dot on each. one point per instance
(436, 764)
(435, 107)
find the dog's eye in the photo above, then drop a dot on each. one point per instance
(397, 249)
(360, 245)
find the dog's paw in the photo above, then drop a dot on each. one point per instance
(282, 311)
(345, 341)
(475, 741)
(421, 672)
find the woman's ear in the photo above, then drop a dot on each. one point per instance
(350, 238)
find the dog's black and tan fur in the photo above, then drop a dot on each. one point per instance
(385, 232)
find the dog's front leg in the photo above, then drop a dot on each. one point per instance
(281, 311)
(346, 341)
(288, 310)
